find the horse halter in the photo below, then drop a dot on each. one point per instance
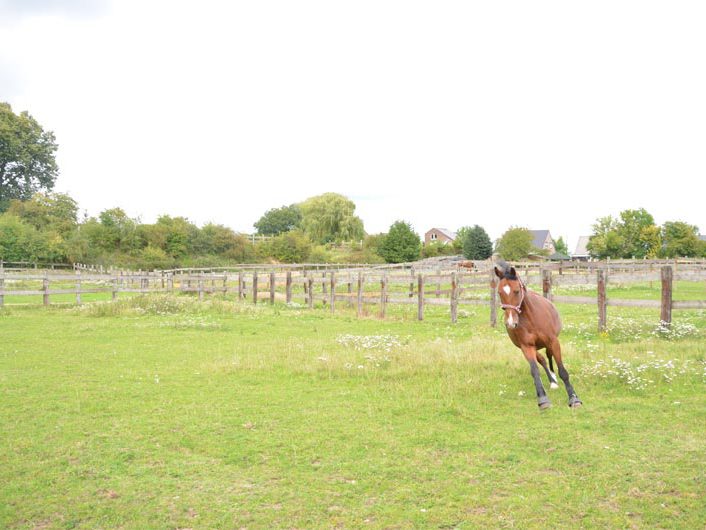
(517, 307)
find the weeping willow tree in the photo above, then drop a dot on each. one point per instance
(331, 217)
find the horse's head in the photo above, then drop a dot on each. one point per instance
(512, 294)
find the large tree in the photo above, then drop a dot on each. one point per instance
(476, 243)
(634, 235)
(331, 217)
(279, 220)
(680, 240)
(641, 238)
(515, 244)
(605, 242)
(27, 157)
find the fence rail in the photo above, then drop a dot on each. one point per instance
(366, 288)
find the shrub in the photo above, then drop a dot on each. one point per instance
(290, 247)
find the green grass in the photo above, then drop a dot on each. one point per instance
(160, 412)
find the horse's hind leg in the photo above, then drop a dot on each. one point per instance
(531, 356)
(550, 371)
(555, 351)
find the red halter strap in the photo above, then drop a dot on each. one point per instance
(518, 306)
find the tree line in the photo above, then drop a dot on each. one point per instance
(38, 224)
(634, 234)
(46, 228)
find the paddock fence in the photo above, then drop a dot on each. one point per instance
(368, 290)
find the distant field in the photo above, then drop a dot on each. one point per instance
(162, 412)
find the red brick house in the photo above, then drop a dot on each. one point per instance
(439, 235)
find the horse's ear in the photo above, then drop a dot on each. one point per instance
(499, 273)
(513, 273)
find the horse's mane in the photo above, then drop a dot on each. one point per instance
(508, 270)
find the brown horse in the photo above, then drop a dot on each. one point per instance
(532, 322)
(465, 264)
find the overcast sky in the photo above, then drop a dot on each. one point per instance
(545, 115)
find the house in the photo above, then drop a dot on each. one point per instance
(542, 240)
(439, 235)
(581, 252)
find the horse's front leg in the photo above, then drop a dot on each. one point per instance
(530, 353)
(550, 374)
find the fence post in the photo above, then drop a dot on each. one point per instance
(333, 291)
(200, 286)
(170, 282)
(288, 288)
(350, 291)
(420, 297)
(2, 285)
(323, 288)
(454, 297)
(666, 309)
(360, 294)
(273, 285)
(310, 290)
(114, 293)
(383, 296)
(547, 284)
(493, 299)
(254, 287)
(602, 308)
(78, 287)
(241, 295)
(45, 288)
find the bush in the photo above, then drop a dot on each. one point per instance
(290, 247)
(154, 258)
(320, 254)
(437, 248)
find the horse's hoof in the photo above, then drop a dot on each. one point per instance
(553, 385)
(575, 402)
(544, 403)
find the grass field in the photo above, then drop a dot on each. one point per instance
(162, 412)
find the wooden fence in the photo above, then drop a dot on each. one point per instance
(369, 291)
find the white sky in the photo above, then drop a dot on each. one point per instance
(546, 115)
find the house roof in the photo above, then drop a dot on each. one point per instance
(539, 237)
(447, 233)
(581, 249)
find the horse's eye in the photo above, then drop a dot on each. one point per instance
(517, 291)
